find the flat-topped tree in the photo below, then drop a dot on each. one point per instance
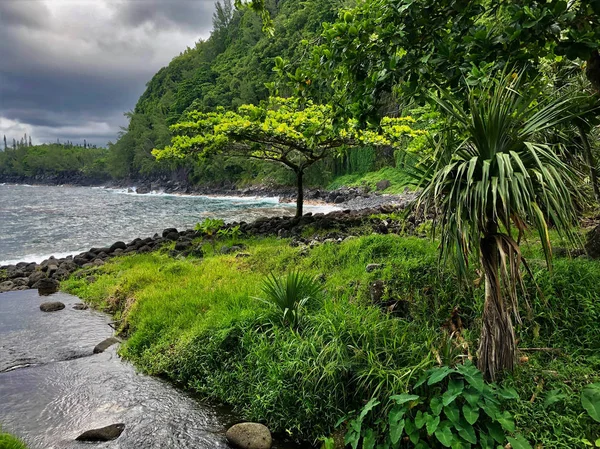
(285, 131)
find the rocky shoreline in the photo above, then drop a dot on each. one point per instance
(345, 197)
(334, 226)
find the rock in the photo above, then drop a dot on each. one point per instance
(592, 244)
(183, 245)
(52, 268)
(168, 231)
(6, 286)
(144, 249)
(377, 290)
(80, 306)
(383, 184)
(172, 236)
(242, 255)
(53, 306)
(20, 282)
(339, 199)
(117, 245)
(104, 345)
(107, 433)
(373, 266)
(46, 286)
(249, 436)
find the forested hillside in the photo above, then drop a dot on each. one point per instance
(227, 70)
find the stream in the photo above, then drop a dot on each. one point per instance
(52, 388)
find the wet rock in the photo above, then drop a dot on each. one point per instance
(6, 286)
(108, 433)
(383, 184)
(104, 345)
(52, 306)
(373, 266)
(80, 306)
(249, 436)
(46, 286)
(117, 245)
(20, 282)
(172, 236)
(183, 245)
(339, 199)
(169, 231)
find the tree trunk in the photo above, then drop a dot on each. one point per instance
(300, 197)
(590, 160)
(593, 70)
(497, 346)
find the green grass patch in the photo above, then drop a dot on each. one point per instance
(197, 322)
(8, 441)
(397, 178)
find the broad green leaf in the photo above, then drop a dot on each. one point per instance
(444, 435)
(472, 396)
(368, 407)
(369, 439)
(453, 414)
(432, 423)
(496, 432)
(507, 421)
(507, 393)
(470, 413)
(448, 397)
(519, 442)
(436, 405)
(396, 429)
(352, 437)
(485, 440)
(420, 419)
(456, 386)
(590, 400)
(472, 375)
(467, 432)
(439, 374)
(404, 398)
(552, 397)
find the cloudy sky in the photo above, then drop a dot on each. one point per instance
(69, 69)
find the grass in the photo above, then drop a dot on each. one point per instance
(397, 178)
(196, 322)
(8, 441)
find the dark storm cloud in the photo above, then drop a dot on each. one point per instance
(69, 69)
(193, 14)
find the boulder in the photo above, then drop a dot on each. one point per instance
(53, 306)
(249, 436)
(183, 245)
(108, 433)
(6, 286)
(46, 286)
(168, 231)
(104, 345)
(339, 199)
(383, 184)
(592, 244)
(118, 245)
(172, 236)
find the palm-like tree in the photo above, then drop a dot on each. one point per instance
(495, 176)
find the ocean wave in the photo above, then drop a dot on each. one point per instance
(37, 258)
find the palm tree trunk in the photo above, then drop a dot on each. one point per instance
(497, 346)
(590, 160)
(300, 197)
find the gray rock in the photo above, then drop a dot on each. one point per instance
(6, 286)
(377, 290)
(80, 306)
(46, 286)
(117, 245)
(104, 345)
(53, 306)
(383, 184)
(108, 433)
(249, 436)
(373, 266)
(20, 282)
(169, 231)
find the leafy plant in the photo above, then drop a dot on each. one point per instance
(234, 232)
(590, 400)
(210, 227)
(456, 408)
(290, 294)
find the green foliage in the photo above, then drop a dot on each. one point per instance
(198, 324)
(590, 400)
(55, 160)
(210, 227)
(454, 408)
(411, 46)
(290, 294)
(8, 441)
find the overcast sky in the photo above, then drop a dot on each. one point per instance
(69, 69)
